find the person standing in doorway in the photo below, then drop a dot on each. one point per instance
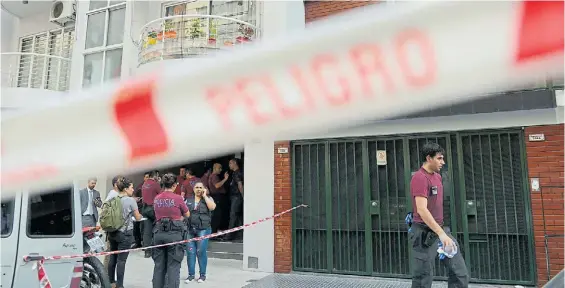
(180, 180)
(90, 202)
(236, 197)
(188, 184)
(170, 211)
(150, 189)
(427, 228)
(218, 192)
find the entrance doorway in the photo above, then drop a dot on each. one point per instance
(218, 247)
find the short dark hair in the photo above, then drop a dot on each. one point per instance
(115, 180)
(123, 183)
(168, 180)
(154, 173)
(189, 171)
(236, 161)
(147, 173)
(431, 149)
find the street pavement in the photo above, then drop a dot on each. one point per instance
(221, 273)
(224, 273)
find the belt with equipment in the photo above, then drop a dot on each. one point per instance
(167, 224)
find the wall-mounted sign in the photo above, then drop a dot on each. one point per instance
(535, 184)
(536, 137)
(381, 157)
(282, 150)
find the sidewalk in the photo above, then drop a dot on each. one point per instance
(221, 273)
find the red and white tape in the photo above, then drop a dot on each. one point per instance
(47, 258)
(370, 64)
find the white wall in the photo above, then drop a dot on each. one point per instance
(278, 17)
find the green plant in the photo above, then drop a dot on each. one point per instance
(169, 25)
(195, 29)
(152, 34)
(213, 30)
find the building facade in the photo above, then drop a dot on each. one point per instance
(504, 174)
(504, 184)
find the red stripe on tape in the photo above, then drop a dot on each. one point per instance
(541, 29)
(136, 115)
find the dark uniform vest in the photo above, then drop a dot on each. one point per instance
(201, 217)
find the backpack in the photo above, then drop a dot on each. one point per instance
(111, 218)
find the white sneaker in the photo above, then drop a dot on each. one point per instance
(201, 279)
(189, 279)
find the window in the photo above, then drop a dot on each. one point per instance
(37, 71)
(7, 216)
(50, 214)
(104, 42)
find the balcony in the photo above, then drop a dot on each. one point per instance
(186, 36)
(33, 70)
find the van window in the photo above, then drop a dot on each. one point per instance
(7, 216)
(50, 214)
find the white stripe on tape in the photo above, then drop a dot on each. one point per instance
(369, 64)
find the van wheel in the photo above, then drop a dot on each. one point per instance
(94, 275)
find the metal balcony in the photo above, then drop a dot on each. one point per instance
(185, 36)
(33, 70)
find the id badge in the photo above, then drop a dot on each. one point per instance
(434, 190)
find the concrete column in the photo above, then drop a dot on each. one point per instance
(276, 18)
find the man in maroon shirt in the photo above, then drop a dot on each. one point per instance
(137, 226)
(188, 184)
(427, 228)
(218, 193)
(150, 189)
(180, 179)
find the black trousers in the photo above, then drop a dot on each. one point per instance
(218, 214)
(424, 243)
(166, 272)
(117, 262)
(137, 233)
(236, 209)
(148, 225)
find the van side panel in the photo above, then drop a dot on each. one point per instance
(50, 226)
(10, 232)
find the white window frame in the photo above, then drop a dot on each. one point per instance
(104, 48)
(47, 44)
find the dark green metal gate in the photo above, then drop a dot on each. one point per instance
(356, 221)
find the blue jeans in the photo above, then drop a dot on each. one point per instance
(197, 249)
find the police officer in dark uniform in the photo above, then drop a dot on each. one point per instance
(170, 226)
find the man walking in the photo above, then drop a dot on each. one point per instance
(427, 228)
(89, 201)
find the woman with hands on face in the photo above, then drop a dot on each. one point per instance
(201, 206)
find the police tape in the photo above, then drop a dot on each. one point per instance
(47, 258)
(364, 65)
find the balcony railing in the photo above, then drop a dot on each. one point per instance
(32, 70)
(185, 36)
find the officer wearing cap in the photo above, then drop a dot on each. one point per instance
(169, 227)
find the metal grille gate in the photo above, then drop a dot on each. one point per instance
(356, 221)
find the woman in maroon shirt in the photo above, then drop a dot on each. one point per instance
(170, 211)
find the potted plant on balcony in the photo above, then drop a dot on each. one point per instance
(213, 33)
(151, 38)
(246, 32)
(169, 31)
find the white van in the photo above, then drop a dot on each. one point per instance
(45, 224)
